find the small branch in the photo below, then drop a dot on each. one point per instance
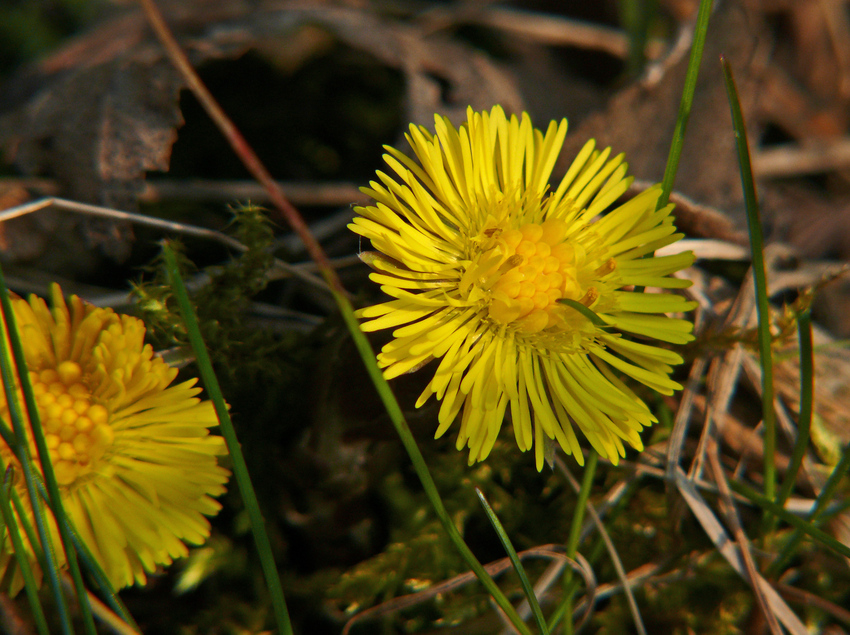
(240, 146)
(299, 193)
(795, 160)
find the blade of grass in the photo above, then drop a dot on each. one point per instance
(16, 414)
(89, 561)
(47, 476)
(30, 585)
(566, 607)
(581, 504)
(100, 579)
(685, 105)
(759, 279)
(418, 461)
(604, 539)
(636, 16)
(515, 561)
(6, 434)
(675, 154)
(240, 468)
(823, 499)
(804, 420)
(801, 524)
(586, 312)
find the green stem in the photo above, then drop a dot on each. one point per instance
(636, 17)
(515, 561)
(804, 421)
(30, 584)
(90, 563)
(581, 505)
(22, 452)
(565, 609)
(687, 101)
(759, 279)
(418, 461)
(678, 142)
(821, 503)
(240, 468)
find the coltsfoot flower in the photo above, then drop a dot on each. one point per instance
(135, 462)
(498, 275)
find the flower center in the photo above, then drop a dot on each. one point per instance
(76, 431)
(524, 272)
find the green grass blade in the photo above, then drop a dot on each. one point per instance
(100, 579)
(28, 530)
(90, 563)
(795, 521)
(240, 468)
(6, 434)
(636, 17)
(418, 461)
(581, 505)
(566, 607)
(48, 477)
(760, 280)
(21, 449)
(807, 387)
(515, 561)
(676, 145)
(586, 312)
(30, 585)
(685, 105)
(821, 503)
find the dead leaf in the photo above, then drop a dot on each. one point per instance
(640, 120)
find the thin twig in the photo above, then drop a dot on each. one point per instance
(243, 150)
(743, 543)
(298, 192)
(554, 552)
(609, 546)
(159, 223)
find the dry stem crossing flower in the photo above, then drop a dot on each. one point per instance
(524, 293)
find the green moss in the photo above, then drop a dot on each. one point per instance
(238, 348)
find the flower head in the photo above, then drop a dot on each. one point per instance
(523, 291)
(133, 457)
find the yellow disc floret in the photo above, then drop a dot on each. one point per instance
(522, 273)
(76, 430)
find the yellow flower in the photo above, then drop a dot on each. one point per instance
(134, 459)
(483, 259)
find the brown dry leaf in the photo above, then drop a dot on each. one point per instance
(100, 113)
(100, 116)
(640, 119)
